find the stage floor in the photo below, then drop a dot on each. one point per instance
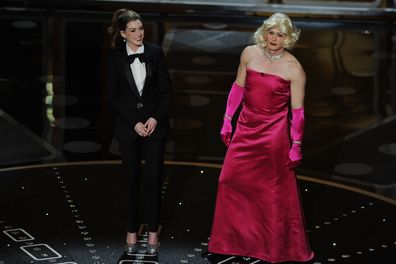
(74, 213)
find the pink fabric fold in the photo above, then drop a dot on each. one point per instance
(258, 210)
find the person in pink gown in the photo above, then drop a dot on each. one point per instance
(258, 209)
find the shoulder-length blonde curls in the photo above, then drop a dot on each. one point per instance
(281, 22)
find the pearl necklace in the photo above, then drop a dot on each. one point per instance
(271, 58)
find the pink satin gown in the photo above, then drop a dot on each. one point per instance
(258, 209)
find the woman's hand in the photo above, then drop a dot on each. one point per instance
(141, 129)
(150, 125)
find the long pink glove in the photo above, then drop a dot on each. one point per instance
(296, 134)
(234, 100)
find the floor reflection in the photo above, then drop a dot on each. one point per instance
(72, 213)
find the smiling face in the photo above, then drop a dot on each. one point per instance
(134, 34)
(275, 39)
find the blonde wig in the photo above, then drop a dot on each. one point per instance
(284, 24)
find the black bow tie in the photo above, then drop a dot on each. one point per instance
(132, 57)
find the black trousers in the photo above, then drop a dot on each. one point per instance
(147, 176)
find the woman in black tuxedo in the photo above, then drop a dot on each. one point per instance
(139, 89)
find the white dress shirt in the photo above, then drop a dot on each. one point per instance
(138, 69)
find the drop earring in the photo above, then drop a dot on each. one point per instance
(124, 39)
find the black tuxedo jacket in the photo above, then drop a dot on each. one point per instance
(131, 108)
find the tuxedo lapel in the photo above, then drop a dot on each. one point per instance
(149, 68)
(128, 73)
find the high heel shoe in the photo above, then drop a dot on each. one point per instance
(152, 249)
(131, 248)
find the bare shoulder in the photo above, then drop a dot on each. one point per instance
(294, 68)
(249, 52)
(250, 49)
